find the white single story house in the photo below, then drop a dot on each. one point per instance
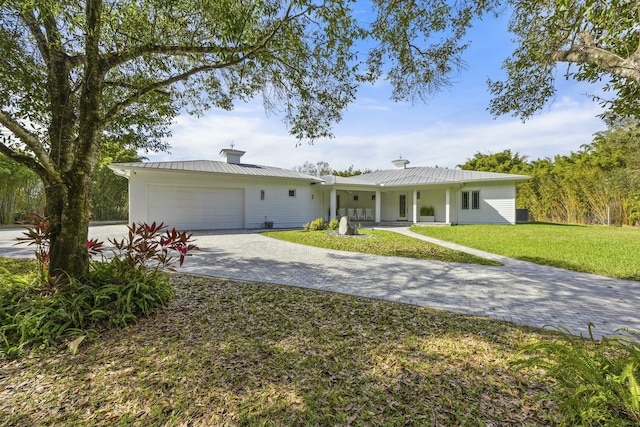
(203, 194)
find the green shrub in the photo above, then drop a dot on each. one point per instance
(427, 211)
(123, 293)
(597, 382)
(317, 224)
(38, 309)
(334, 224)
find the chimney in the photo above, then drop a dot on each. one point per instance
(232, 156)
(400, 163)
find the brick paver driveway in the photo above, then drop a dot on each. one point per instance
(519, 291)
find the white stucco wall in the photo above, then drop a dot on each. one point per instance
(284, 211)
(497, 204)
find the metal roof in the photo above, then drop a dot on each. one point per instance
(427, 175)
(386, 178)
(210, 166)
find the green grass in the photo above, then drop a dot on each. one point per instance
(18, 265)
(608, 251)
(380, 242)
(233, 353)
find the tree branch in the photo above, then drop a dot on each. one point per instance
(587, 52)
(120, 106)
(31, 21)
(23, 159)
(113, 60)
(31, 141)
(116, 109)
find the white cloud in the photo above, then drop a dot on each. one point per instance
(373, 140)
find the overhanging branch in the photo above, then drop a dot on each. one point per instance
(119, 107)
(31, 141)
(23, 159)
(608, 61)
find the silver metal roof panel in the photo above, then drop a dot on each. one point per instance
(211, 166)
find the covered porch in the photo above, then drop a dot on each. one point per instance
(377, 204)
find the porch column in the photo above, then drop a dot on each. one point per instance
(447, 207)
(415, 207)
(332, 205)
(378, 203)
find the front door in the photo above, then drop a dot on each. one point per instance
(402, 212)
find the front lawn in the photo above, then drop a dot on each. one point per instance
(608, 251)
(229, 353)
(379, 242)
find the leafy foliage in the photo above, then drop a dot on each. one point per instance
(427, 211)
(317, 224)
(38, 235)
(597, 382)
(21, 191)
(40, 308)
(151, 247)
(334, 224)
(350, 171)
(317, 169)
(109, 192)
(598, 39)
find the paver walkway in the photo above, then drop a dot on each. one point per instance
(519, 291)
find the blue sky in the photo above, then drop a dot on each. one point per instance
(445, 131)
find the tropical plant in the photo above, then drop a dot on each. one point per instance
(597, 382)
(132, 282)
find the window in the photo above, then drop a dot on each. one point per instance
(292, 193)
(418, 195)
(355, 198)
(261, 194)
(475, 200)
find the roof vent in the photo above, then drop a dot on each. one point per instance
(232, 156)
(400, 163)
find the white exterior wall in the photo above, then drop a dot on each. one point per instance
(497, 204)
(391, 205)
(277, 206)
(437, 199)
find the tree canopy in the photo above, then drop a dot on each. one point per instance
(599, 40)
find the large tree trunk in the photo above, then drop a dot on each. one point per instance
(68, 210)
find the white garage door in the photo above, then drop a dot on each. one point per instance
(193, 208)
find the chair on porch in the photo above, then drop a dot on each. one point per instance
(368, 214)
(351, 213)
(359, 214)
(342, 212)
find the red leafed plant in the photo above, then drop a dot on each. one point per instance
(147, 246)
(38, 235)
(150, 246)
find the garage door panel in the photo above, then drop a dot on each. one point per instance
(195, 208)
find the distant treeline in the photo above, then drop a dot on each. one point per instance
(598, 184)
(22, 191)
